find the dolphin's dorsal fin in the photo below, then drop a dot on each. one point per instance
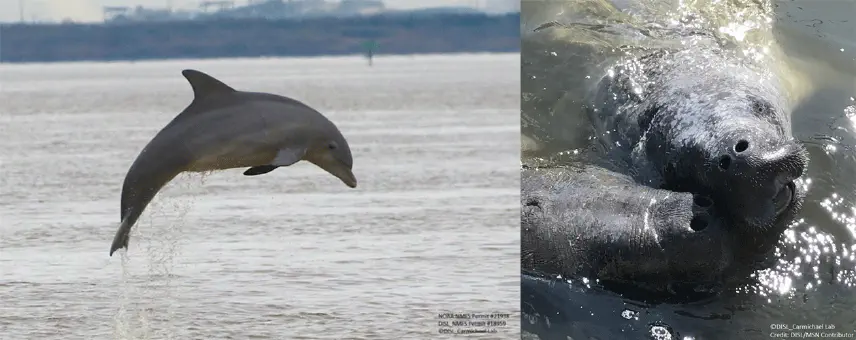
(204, 85)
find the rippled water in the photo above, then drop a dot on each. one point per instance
(294, 254)
(814, 278)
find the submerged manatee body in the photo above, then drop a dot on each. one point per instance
(692, 180)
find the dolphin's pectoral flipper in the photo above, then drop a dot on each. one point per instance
(284, 157)
(259, 170)
(289, 156)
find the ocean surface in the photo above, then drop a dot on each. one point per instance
(809, 45)
(294, 254)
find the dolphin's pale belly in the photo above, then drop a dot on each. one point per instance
(232, 156)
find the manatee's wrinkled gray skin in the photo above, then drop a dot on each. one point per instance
(597, 223)
(675, 127)
(223, 128)
(704, 123)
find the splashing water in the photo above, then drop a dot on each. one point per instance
(147, 296)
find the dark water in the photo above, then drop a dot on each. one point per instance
(812, 281)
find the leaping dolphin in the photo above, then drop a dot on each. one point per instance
(224, 128)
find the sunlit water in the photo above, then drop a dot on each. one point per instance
(293, 254)
(813, 279)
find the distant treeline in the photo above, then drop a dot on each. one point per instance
(441, 33)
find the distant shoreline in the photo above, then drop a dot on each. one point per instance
(357, 58)
(254, 38)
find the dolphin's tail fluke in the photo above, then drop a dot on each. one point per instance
(122, 236)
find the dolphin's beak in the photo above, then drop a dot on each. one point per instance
(347, 176)
(341, 171)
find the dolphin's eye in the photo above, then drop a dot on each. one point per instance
(331, 146)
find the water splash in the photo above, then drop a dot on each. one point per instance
(146, 310)
(850, 113)
(630, 314)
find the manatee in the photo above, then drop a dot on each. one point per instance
(691, 178)
(592, 222)
(703, 122)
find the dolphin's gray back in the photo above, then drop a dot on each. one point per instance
(246, 120)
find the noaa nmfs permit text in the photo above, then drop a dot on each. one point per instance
(471, 323)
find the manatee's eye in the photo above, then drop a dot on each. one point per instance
(760, 107)
(332, 146)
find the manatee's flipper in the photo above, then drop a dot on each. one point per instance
(122, 236)
(259, 170)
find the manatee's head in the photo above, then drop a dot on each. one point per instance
(330, 151)
(596, 223)
(735, 147)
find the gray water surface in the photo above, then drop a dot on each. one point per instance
(294, 254)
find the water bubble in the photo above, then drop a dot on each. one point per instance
(630, 314)
(661, 332)
(850, 113)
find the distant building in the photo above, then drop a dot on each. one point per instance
(140, 13)
(279, 9)
(502, 6)
(286, 9)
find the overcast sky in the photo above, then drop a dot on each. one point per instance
(90, 10)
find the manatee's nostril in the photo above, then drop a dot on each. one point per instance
(702, 201)
(724, 162)
(741, 146)
(698, 223)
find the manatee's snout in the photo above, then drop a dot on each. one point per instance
(759, 172)
(702, 212)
